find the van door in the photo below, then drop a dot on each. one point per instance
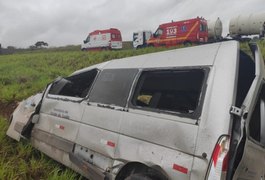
(160, 127)
(249, 156)
(61, 111)
(97, 138)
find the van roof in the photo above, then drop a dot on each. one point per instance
(183, 22)
(203, 55)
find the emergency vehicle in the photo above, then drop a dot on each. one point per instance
(103, 40)
(180, 32)
(140, 38)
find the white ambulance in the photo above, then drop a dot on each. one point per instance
(103, 40)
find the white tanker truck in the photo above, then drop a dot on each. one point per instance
(244, 25)
(215, 29)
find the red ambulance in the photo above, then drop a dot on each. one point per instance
(180, 32)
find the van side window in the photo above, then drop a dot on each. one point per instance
(246, 76)
(169, 90)
(257, 121)
(76, 85)
(113, 86)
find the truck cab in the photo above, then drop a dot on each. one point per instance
(140, 38)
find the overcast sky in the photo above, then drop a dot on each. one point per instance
(66, 22)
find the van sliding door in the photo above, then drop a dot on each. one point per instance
(248, 158)
(98, 135)
(161, 125)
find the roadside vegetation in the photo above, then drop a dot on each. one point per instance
(26, 73)
(19, 161)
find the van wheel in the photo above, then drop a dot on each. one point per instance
(187, 43)
(139, 47)
(104, 48)
(139, 177)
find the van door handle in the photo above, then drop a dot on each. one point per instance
(105, 106)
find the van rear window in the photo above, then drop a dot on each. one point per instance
(170, 90)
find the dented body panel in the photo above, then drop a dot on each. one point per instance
(22, 115)
(163, 113)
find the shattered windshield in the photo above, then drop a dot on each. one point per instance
(75, 86)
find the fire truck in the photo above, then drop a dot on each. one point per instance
(103, 40)
(180, 32)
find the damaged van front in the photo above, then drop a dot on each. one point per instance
(190, 113)
(23, 116)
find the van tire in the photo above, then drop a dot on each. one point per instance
(138, 177)
(187, 43)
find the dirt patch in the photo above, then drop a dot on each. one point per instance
(7, 108)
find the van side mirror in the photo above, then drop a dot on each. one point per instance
(85, 41)
(35, 118)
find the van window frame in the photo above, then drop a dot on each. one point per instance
(128, 94)
(72, 98)
(257, 100)
(195, 115)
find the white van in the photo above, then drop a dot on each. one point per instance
(192, 113)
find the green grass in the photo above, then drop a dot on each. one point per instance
(19, 160)
(26, 73)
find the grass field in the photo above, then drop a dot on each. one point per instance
(26, 73)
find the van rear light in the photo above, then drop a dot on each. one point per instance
(219, 160)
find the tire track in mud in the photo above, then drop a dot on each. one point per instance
(7, 108)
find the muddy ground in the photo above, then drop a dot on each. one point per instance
(7, 108)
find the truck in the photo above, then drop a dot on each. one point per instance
(103, 40)
(140, 38)
(244, 25)
(192, 113)
(215, 29)
(180, 32)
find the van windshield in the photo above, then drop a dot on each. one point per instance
(158, 32)
(170, 90)
(135, 36)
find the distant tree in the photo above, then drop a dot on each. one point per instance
(40, 44)
(10, 49)
(32, 47)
